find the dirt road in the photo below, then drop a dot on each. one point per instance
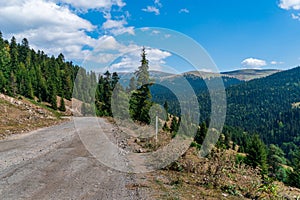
(52, 163)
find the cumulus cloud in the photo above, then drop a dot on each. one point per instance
(52, 26)
(184, 10)
(290, 4)
(151, 9)
(92, 4)
(253, 63)
(48, 26)
(117, 27)
(32, 14)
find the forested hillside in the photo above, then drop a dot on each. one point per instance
(265, 106)
(34, 74)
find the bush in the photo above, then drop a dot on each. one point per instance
(196, 145)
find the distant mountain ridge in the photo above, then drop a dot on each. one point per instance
(242, 74)
(249, 74)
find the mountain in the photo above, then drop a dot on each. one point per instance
(267, 106)
(249, 74)
(156, 75)
(195, 78)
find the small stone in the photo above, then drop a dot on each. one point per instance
(224, 195)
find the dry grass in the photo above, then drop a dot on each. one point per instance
(215, 177)
(20, 116)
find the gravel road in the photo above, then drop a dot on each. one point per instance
(52, 163)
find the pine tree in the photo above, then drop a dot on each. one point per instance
(166, 106)
(114, 80)
(142, 73)
(201, 133)
(107, 87)
(140, 102)
(5, 60)
(14, 55)
(53, 96)
(257, 154)
(62, 106)
(276, 160)
(294, 175)
(2, 82)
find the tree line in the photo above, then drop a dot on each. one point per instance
(34, 75)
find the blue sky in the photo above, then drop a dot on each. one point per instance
(236, 34)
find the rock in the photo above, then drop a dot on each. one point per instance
(224, 195)
(137, 140)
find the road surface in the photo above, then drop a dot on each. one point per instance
(53, 163)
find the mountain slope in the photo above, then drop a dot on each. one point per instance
(249, 74)
(267, 106)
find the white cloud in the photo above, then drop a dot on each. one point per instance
(296, 16)
(253, 63)
(51, 25)
(117, 27)
(92, 4)
(151, 9)
(32, 14)
(276, 63)
(290, 4)
(157, 2)
(110, 24)
(184, 10)
(47, 26)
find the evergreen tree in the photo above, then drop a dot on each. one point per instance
(13, 50)
(174, 126)
(140, 102)
(166, 106)
(62, 106)
(5, 60)
(257, 154)
(107, 87)
(201, 133)
(99, 98)
(114, 79)
(53, 96)
(294, 175)
(276, 160)
(142, 73)
(2, 82)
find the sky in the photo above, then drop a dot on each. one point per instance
(179, 35)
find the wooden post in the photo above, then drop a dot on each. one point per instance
(156, 128)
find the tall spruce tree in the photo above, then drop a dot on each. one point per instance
(257, 153)
(140, 102)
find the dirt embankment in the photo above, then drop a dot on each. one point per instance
(21, 115)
